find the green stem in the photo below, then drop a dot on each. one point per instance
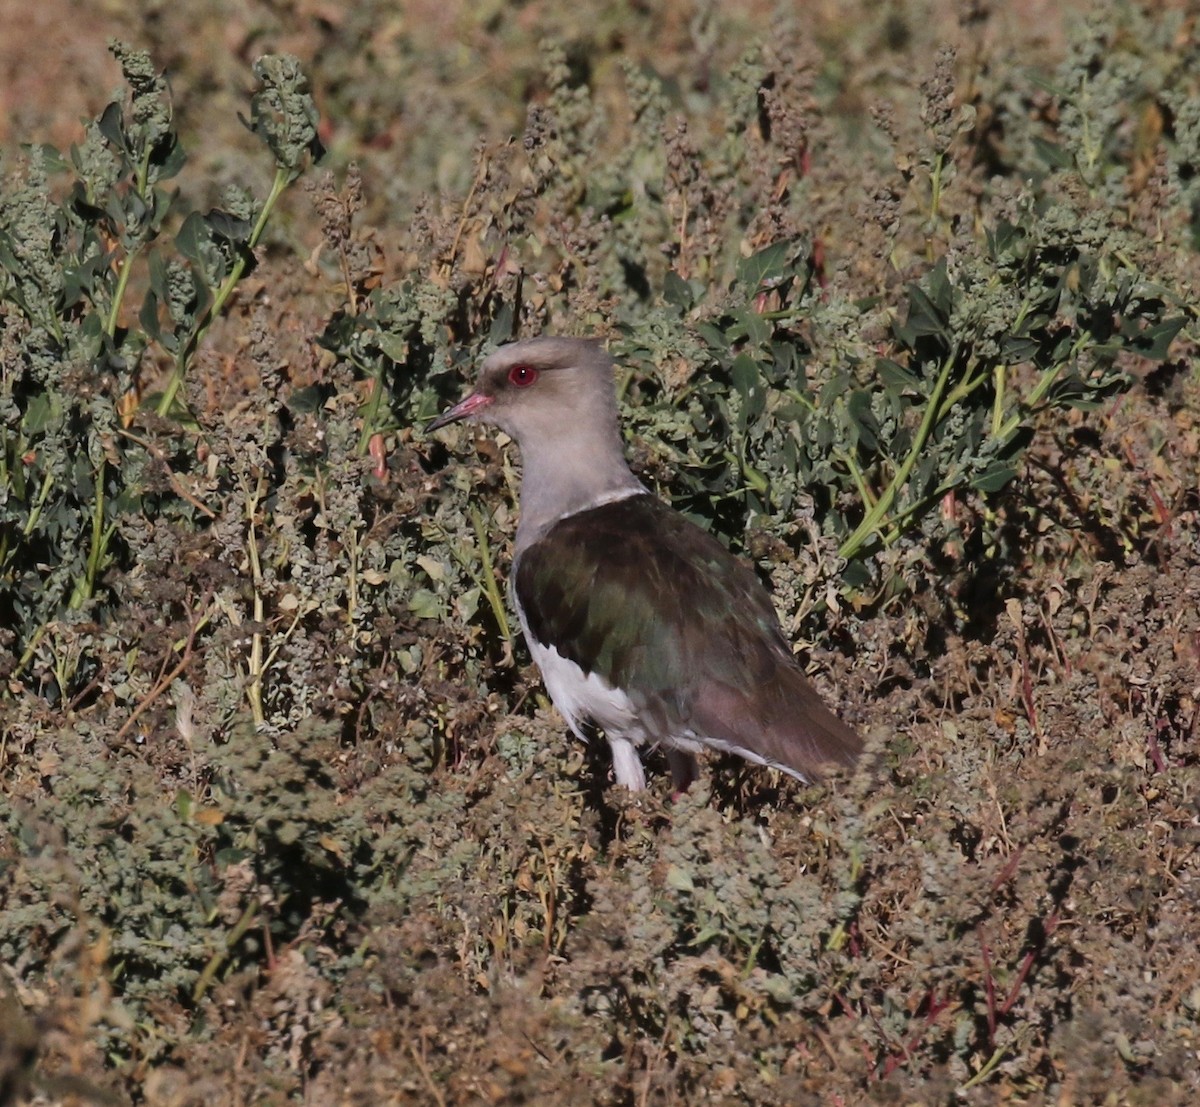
(30, 649)
(371, 412)
(215, 962)
(490, 587)
(1031, 402)
(899, 522)
(84, 589)
(875, 516)
(110, 326)
(1044, 384)
(283, 178)
(35, 512)
(991, 1063)
(935, 188)
(999, 374)
(857, 476)
(960, 392)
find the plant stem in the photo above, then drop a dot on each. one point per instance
(856, 475)
(110, 324)
(30, 649)
(84, 589)
(899, 521)
(254, 690)
(35, 513)
(960, 392)
(283, 178)
(935, 188)
(989, 1065)
(875, 516)
(999, 374)
(215, 962)
(371, 410)
(490, 587)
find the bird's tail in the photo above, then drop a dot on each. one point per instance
(781, 722)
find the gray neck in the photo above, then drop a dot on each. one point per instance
(559, 478)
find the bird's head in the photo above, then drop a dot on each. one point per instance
(539, 389)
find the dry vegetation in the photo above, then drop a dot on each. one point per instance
(906, 300)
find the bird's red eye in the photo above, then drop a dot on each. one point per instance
(522, 375)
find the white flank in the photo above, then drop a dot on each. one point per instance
(584, 698)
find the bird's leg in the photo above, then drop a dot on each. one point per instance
(627, 764)
(684, 770)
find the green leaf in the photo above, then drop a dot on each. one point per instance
(929, 306)
(994, 477)
(82, 281)
(148, 316)
(229, 226)
(304, 401)
(941, 291)
(758, 329)
(714, 337)
(862, 419)
(232, 856)
(787, 363)
(677, 292)
(39, 414)
(174, 160)
(822, 433)
(856, 574)
(895, 377)
(1085, 394)
(501, 329)
(767, 266)
(924, 477)
(192, 238)
(1015, 349)
(745, 375)
(680, 880)
(393, 346)
(51, 156)
(1154, 341)
(1055, 156)
(111, 126)
(425, 604)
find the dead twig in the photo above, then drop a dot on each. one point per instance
(164, 682)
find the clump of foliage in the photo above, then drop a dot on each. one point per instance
(771, 387)
(77, 235)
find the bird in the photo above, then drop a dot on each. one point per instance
(644, 626)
